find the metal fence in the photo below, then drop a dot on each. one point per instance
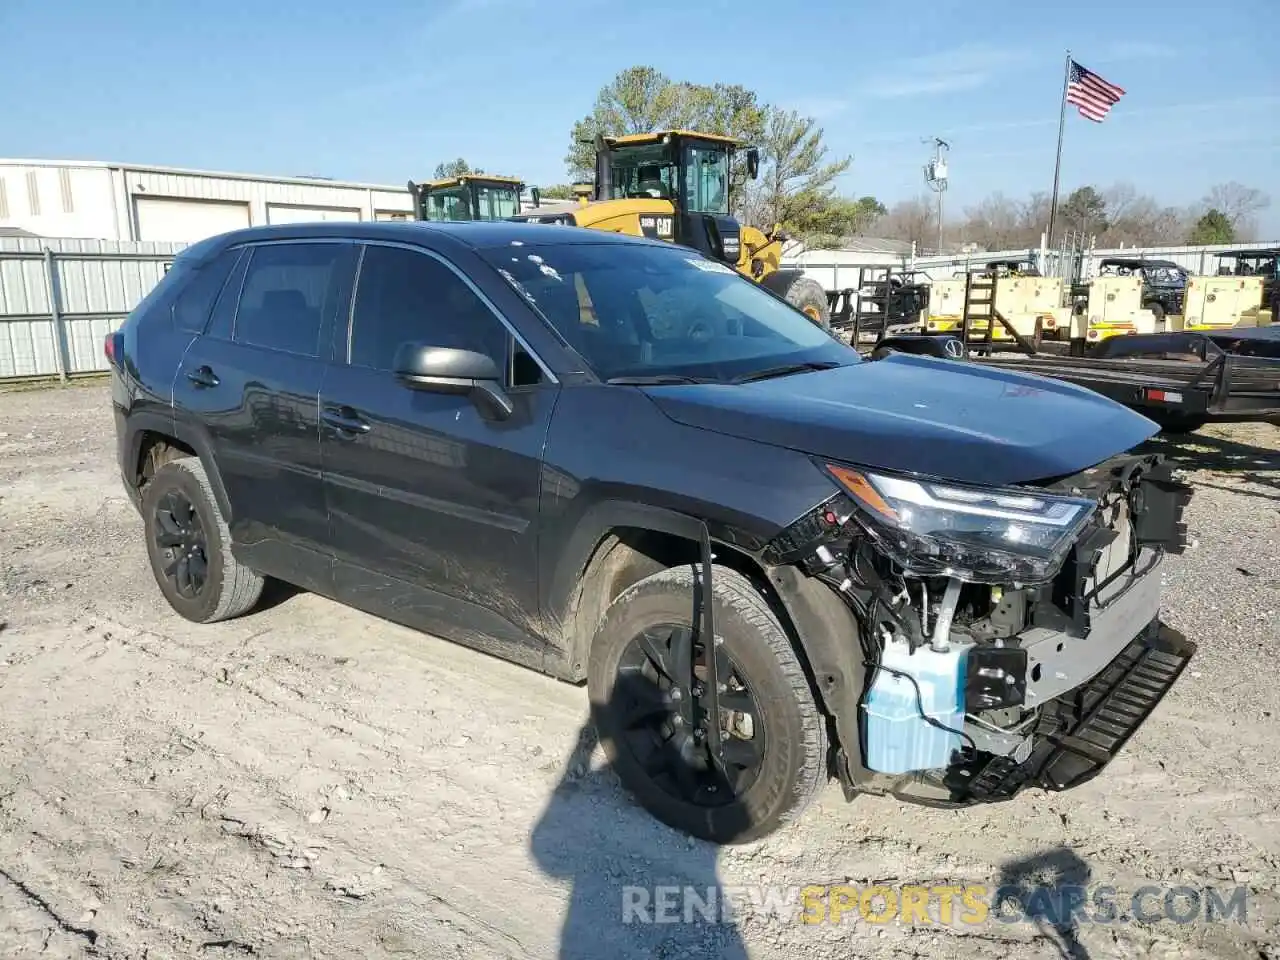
(836, 269)
(59, 298)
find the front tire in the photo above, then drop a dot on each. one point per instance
(189, 546)
(803, 293)
(647, 703)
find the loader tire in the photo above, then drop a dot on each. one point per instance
(803, 293)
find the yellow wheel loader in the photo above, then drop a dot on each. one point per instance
(472, 196)
(673, 185)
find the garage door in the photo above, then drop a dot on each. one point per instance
(288, 213)
(390, 215)
(186, 221)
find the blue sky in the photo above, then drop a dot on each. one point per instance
(382, 91)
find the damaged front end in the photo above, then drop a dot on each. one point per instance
(1008, 637)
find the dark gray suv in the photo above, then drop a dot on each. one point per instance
(617, 461)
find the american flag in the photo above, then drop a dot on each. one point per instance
(1092, 96)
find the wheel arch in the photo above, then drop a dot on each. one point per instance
(629, 541)
(617, 543)
(149, 434)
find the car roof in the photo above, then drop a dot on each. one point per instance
(1137, 262)
(1271, 332)
(479, 234)
(1255, 252)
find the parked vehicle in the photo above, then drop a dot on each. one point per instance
(619, 461)
(675, 185)
(1264, 264)
(1163, 283)
(471, 196)
(1180, 380)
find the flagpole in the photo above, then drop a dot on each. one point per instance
(1057, 163)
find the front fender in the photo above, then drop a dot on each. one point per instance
(830, 640)
(573, 609)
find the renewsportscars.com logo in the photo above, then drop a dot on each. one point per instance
(930, 904)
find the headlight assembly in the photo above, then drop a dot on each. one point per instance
(979, 534)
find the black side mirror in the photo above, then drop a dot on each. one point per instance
(753, 162)
(449, 370)
(536, 195)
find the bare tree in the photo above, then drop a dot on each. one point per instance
(1119, 197)
(913, 220)
(999, 223)
(1143, 222)
(1240, 205)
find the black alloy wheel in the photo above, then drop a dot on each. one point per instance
(667, 723)
(728, 763)
(180, 537)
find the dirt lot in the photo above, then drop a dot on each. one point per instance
(312, 782)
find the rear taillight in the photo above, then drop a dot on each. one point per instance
(112, 347)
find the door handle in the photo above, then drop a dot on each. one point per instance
(345, 421)
(203, 377)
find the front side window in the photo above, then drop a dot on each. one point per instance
(453, 203)
(288, 289)
(648, 171)
(497, 203)
(640, 311)
(403, 296)
(706, 176)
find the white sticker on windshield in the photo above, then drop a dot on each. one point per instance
(708, 266)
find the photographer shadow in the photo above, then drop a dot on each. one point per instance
(638, 889)
(1047, 889)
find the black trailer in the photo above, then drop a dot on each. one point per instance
(1180, 380)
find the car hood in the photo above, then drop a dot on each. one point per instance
(950, 419)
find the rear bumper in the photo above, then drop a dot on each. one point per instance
(126, 456)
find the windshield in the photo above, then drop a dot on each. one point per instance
(643, 171)
(1166, 276)
(641, 311)
(447, 204)
(707, 179)
(497, 203)
(1256, 266)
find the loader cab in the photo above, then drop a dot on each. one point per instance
(688, 171)
(469, 197)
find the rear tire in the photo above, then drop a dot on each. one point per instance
(664, 764)
(189, 546)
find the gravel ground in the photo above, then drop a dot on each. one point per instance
(309, 781)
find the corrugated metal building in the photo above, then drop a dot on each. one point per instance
(110, 201)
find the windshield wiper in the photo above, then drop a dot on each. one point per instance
(784, 370)
(658, 380)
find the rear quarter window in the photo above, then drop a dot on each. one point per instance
(199, 291)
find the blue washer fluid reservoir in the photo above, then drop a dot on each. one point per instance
(897, 737)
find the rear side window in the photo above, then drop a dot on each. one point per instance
(288, 290)
(200, 291)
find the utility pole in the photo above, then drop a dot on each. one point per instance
(935, 175)
(1057, 163)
